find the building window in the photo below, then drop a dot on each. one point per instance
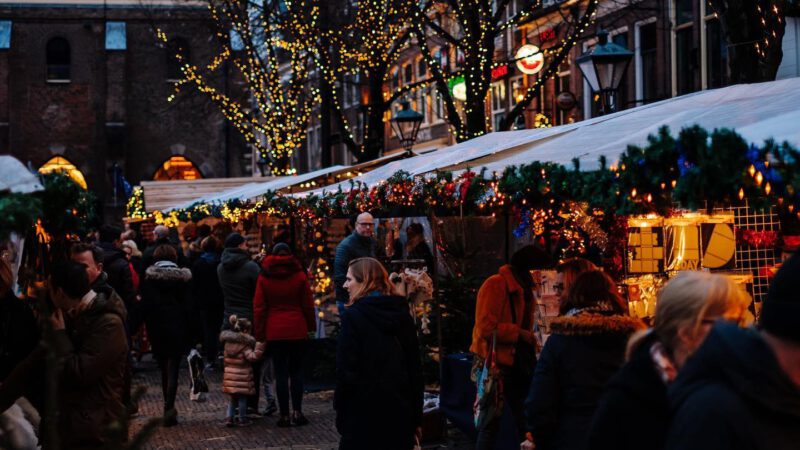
(5, 34)
(177, 55)
(177, 168)
(685, 64)
(62, 165)
(438, 105)
(313, 147)
(237, 43)
(408, 76)
(58, 60)
(562, 85)
(646, 86)
(518, 90)
(499, 103)
(115, 36)
(621, 100)
(716, 54)
(395, 83)
(422, 69)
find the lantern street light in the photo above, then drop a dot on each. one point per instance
(406, 126)
(603, 67)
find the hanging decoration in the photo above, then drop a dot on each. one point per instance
(756, 238)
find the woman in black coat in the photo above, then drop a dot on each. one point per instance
(166, 314)
(379, 388)
(586, 347)
(634, 412)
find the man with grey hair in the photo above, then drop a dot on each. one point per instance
(360, 244)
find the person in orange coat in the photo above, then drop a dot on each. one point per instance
(511, 287)
(237, 379)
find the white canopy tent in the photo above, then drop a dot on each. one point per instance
(756, 111)
(16, 178)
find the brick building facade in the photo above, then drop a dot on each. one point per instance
(87, 81)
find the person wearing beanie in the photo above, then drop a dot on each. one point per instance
(238, 274)
(505, 311)
(741, 389)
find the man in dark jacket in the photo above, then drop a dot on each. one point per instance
(91, 347)
(741, 389)
(207, 297)
(116, 265)
(360, 244)
(238, 275)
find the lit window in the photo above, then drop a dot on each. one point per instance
(5, 34)
(177, 168)
(58, 60)
(62, 165)
(116, 36)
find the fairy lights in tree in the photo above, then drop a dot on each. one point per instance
(274, 61)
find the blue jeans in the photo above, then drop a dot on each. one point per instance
(242, 403)
(268, 380)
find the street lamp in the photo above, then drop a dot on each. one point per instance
(603, 67)
(406, 126)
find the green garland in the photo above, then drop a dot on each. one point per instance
(696, 170)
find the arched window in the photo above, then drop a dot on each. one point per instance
(62, 165)
(59, 59)
(177, 168)
(177, 47)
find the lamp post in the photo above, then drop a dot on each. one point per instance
(603, 67)
(406, 126)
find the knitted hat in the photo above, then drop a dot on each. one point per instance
(281, 247)
(780, 313)
(234, 240)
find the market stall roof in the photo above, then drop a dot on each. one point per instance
(756, 111)
(163, 195)
(251, 191)
(16, 178)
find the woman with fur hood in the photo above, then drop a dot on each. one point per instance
(585, 349)
(166, 312)
(240, 351)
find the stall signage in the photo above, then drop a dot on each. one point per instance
(547, 35)
(458, 87)
(500, 71)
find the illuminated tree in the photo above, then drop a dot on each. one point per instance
(359, 41)
(470, 27)
(266, 42)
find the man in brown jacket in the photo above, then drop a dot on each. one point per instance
(91, 347)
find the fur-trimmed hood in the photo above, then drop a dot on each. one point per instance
(237, 337)
(167, 271)
(591, 324)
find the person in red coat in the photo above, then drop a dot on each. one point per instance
(283, 310)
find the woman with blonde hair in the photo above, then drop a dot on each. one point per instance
(379, 388)
(634, 411)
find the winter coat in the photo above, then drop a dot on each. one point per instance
(283, 304)
(633, 413)
(493, 312)
(352, 247)
(165, 308)
(206, 291)
(581, 355)
(19, 332)
(240, 353)
(237, 275)
(379, 387)
(733, 395)
(116, 265)
(93, 355)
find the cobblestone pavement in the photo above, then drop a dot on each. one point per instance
(201, 424)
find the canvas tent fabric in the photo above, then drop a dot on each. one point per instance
(16, 178)
(756, 111)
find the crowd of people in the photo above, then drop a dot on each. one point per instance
(699, 377)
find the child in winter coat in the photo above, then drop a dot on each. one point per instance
(237, 380)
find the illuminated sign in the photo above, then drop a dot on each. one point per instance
(499, 72)
(458, 87)
(529, 59)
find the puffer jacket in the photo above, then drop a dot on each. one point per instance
(240, 353)
(165, 306)
(283, 304)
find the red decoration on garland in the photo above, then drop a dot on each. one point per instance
(757, 239)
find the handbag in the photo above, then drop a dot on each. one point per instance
(489, 382)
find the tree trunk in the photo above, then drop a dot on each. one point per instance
(374, 136)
